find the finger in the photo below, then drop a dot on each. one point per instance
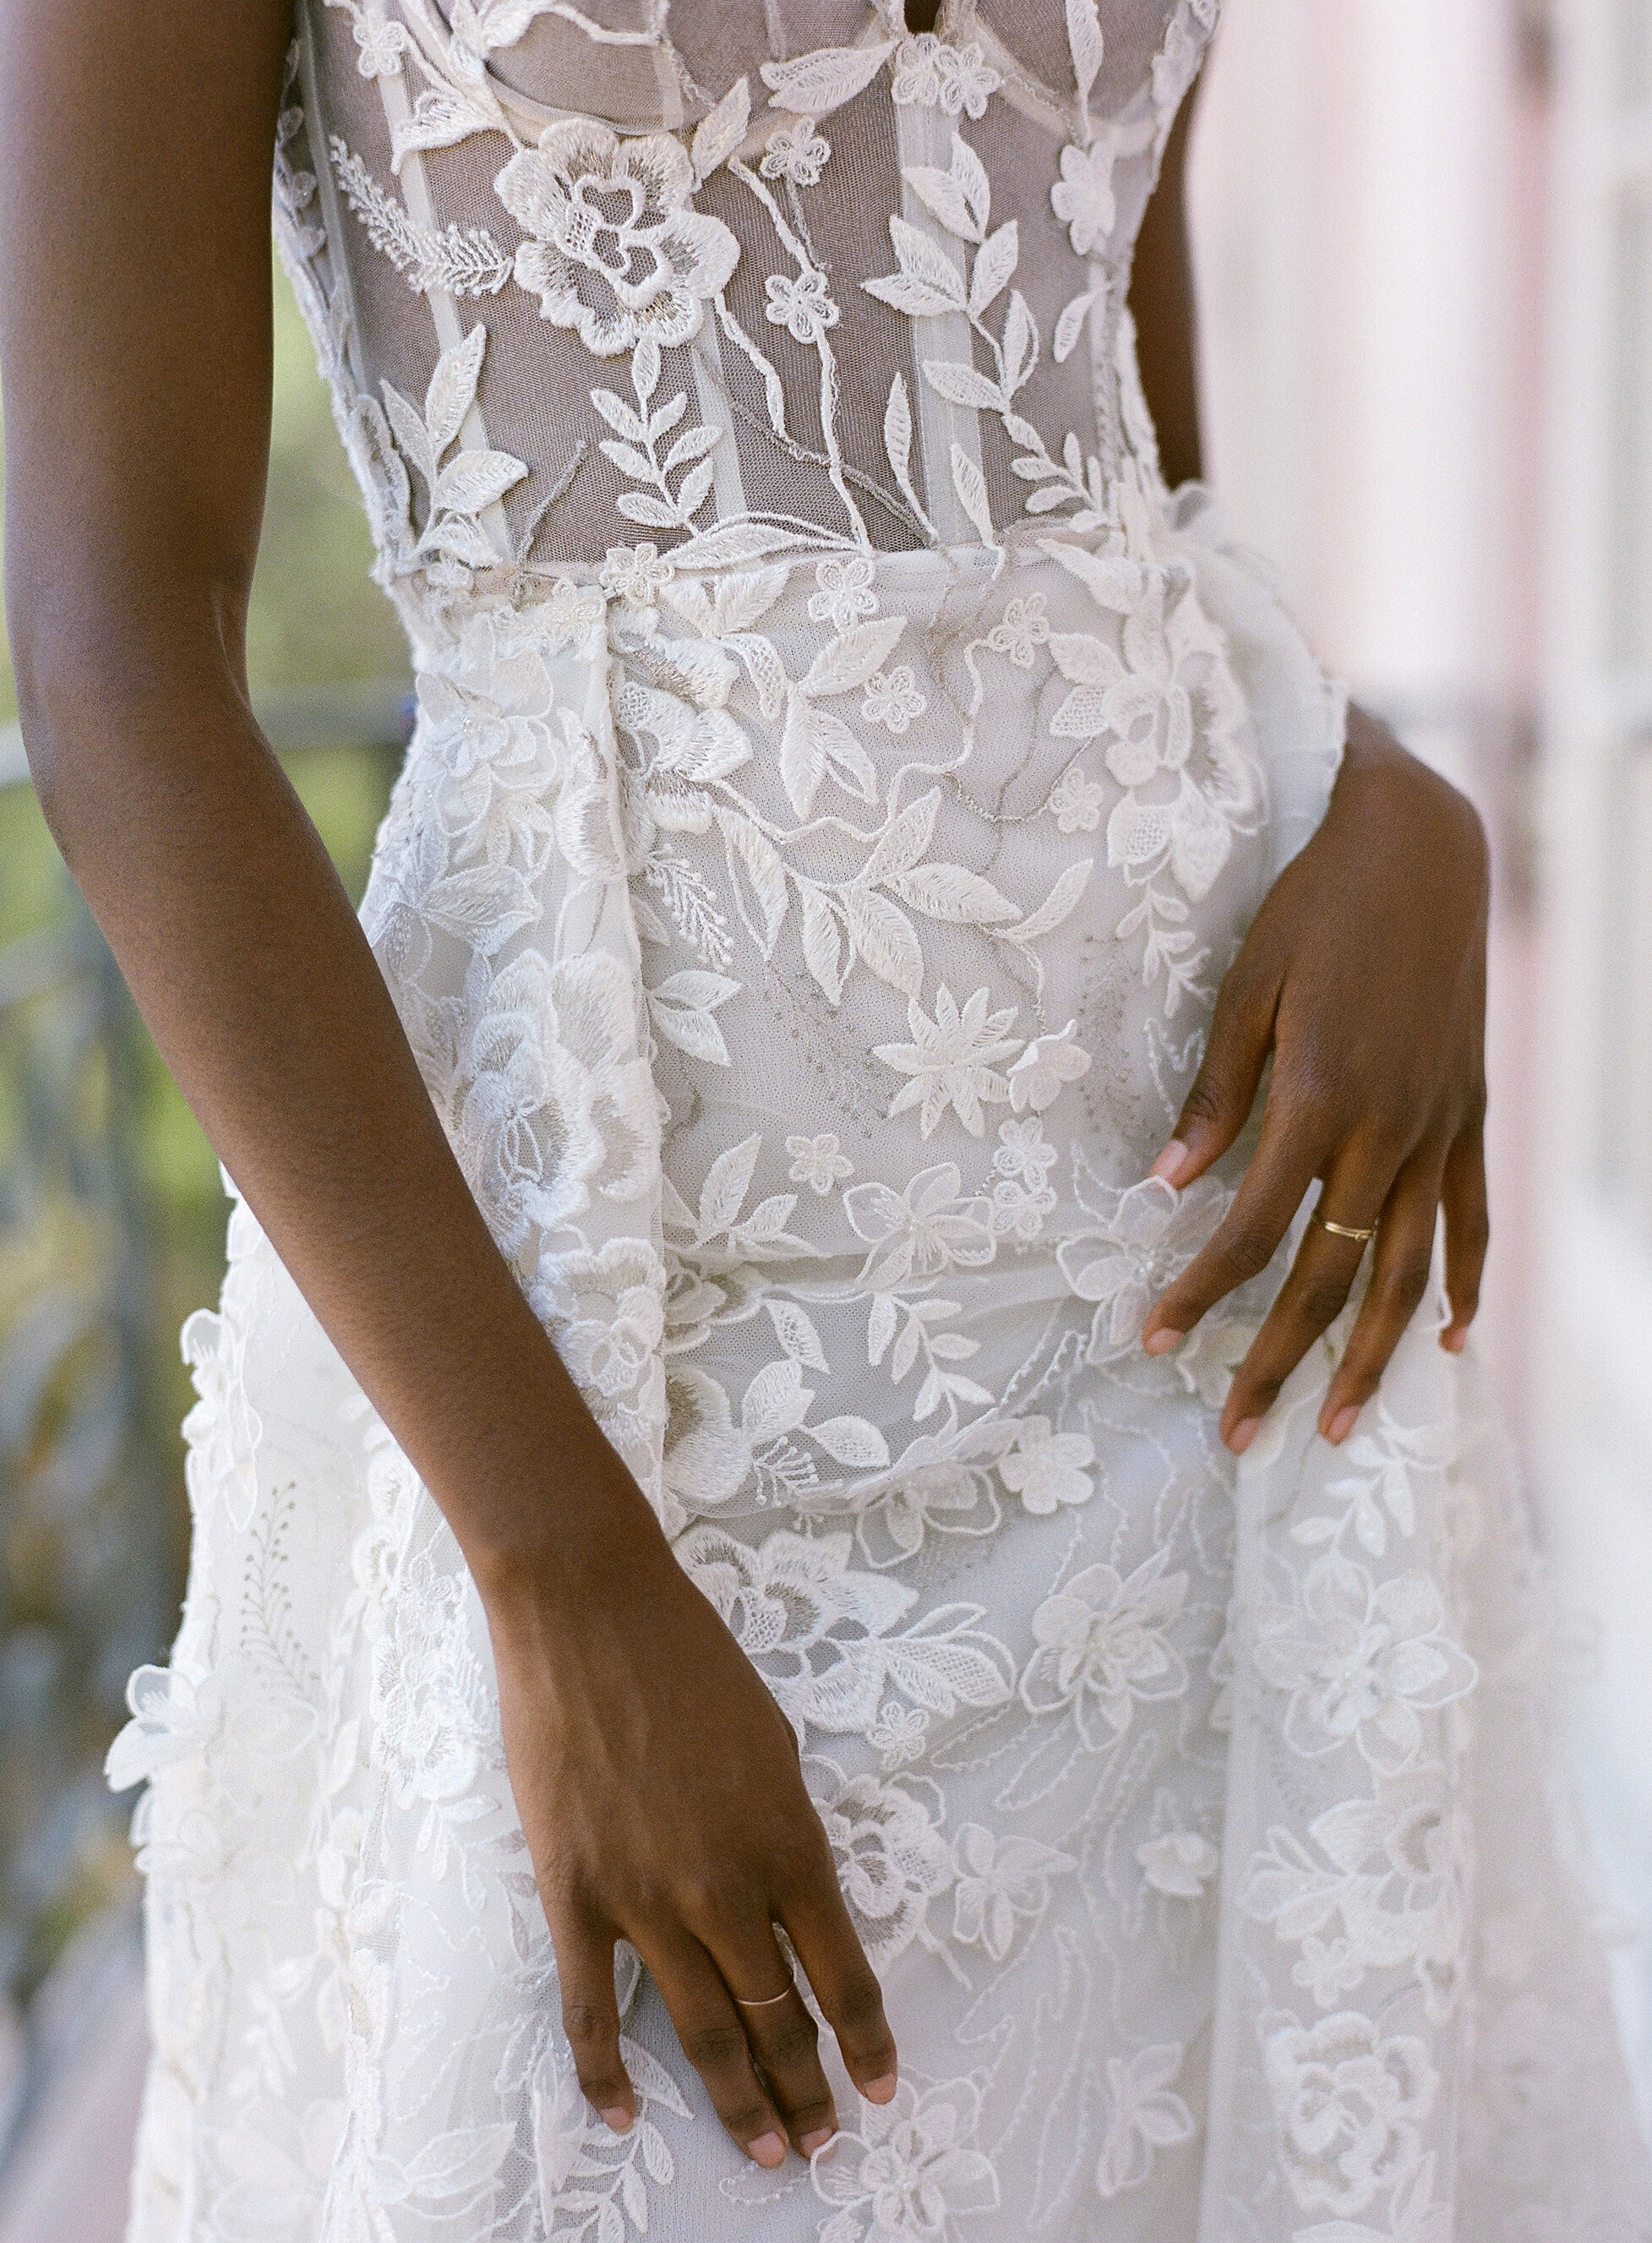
(591, 2019)
(1292, 1149)
(784, 2036)
(1402, 1259)
(714, 2040)
(1221, 1096)
(1315, 1291)
(844, 1982)
(1468, 1231)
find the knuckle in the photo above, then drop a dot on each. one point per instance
(1208, 1099)
(745, 2118)
(792, 2042)
(586, 2023)
(858, 2008)
(1244, 1253)
(715, 2047)
(1320, 1300)
(1402, 1287)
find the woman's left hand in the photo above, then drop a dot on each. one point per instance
(1364, 977)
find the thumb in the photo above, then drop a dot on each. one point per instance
(1221, 1096)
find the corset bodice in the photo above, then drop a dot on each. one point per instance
(581, 277)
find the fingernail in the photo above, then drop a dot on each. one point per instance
(769, 2150)
(1243, 1434)
(809, 2143)
(1162, 1341)
(881, 2090)
(1170, 1162)
(619, 2117)
(1342, 1424)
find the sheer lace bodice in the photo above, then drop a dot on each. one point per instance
(887, 272)
(842, 775)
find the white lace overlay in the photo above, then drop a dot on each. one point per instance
(841, 777)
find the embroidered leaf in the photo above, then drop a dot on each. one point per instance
(971, 486)
(650, 2077)
(663, 422)
(440, 120)
(943, 194)
(1083, 659)
(846, 758)
(852, 657)
(950, 893)
(962, 385)
(691, 491)
(619, 415)
(655, 513)
(744, 599)
(853, 1441)
(803, 755)
(1082, 715)
(796, 1334)
(463, 260)
(1062, 900)
(411, 433)
(919, 300)
(897, 432)
(905, 841)
(452, 388)
(885, 939)
(1070, 326)
(645, 369)
(776, 1401)
(691, 445)
(461, 537)
(1112, 580)
(731, 545)
(822, 946)
(477, 478)
(727, 1182)
(997, 261)
(814, 84)
(717, 135)
(972, 175)
(760, 862)
(763, 667)
(880, 1327)
(628, 459)
(1020, 344)
(1083, 36)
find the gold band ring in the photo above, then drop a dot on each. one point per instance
(1344, 1229)
(769, 2003)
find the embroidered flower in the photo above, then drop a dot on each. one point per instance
(931, 74)
(892, 698)
(999, 1879)
(845, 592)
(1103, 1648)
(1017, 1212)
(817, 1161)
(1147, 2117)
(910, 2169)
(574, 616)
(1147, 1236)
(616, 249)
(1347, 2101)
(1047, 1065)
(891, 1859)
(1025, 626)
(1075, 801)
(490, 715)
(801, 303)
(1180, 1863)
(606, 1311)
(1047, 1469)
(1022, 1155)
(381, 43)
(951, 1060)
(1083, 197)
(1361, 1661)
(635, 575)
(797, 151)
(920, 1231)
(897, 1735)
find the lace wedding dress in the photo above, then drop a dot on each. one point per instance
(841, 776)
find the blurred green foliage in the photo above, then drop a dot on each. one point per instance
(316, 619)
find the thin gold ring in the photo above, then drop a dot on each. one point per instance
(766, 2004)
(1344, 1229)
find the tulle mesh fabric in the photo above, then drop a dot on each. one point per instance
(842, 775)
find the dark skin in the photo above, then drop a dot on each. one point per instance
(135, 328)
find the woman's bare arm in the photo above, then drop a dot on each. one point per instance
(1363, 978)
(661, 1792)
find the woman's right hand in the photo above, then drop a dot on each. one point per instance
(663, 1802)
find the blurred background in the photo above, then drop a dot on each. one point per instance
(1424, 241)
